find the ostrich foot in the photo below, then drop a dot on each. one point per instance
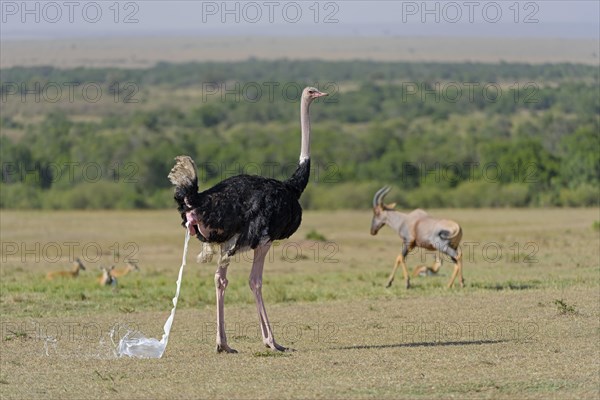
(277, 347)
(223, 348)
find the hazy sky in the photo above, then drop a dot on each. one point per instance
(55, 19)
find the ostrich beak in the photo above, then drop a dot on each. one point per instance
(320, 94)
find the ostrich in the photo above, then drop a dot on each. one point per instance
(245, 212)
(418, 229)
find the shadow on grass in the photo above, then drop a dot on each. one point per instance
(422, 344)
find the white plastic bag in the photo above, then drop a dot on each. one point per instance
(135, 344)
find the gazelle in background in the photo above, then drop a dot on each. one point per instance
(107, 278)
(74, 273)
(418, 229)
(130, 267)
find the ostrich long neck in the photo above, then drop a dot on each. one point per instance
(305, 125)
(299, 179)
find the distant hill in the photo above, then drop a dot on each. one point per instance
(147, 51)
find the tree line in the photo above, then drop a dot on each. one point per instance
(443, 135)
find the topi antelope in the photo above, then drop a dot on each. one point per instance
(74, 273)
(130, 267)
(418, 229)
(107, 278)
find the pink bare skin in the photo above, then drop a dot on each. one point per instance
(220, 285)
(256, 286)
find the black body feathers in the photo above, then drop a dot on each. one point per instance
(299, 179)
(256, 208)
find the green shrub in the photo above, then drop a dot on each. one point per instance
(161, 199)
(513, 195)
(489, 194)
(473, 194)
(333, 196)
(94, 195)
(20, 196)
(427, 197)
(584, 195)
(316, 236)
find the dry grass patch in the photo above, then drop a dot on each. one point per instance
(517, 330)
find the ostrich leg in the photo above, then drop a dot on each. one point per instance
(256, 287)
(221, 285)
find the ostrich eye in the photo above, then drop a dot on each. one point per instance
(311, 91)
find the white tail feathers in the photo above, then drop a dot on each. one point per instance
(184, 172)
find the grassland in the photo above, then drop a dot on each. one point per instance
(145, 52)
(526, 325)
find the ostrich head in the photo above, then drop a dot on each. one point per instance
(379, 216)
(311, 93)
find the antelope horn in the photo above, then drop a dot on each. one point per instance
(385, 192)
(379, 195)
(376, 197)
